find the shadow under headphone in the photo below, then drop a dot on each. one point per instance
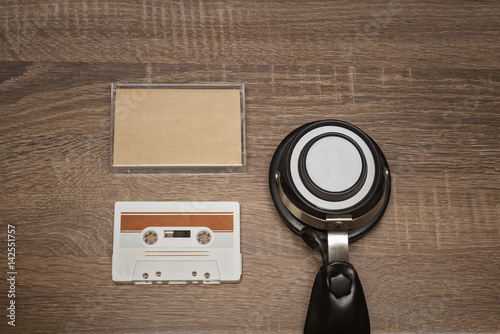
(330, 183)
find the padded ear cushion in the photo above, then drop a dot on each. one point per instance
(293, 223)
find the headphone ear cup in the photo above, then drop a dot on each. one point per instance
(280, 181)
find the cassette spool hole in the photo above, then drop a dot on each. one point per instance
(150, 237)
(204, 237)
(145, 275)
(158, 273)
(194, 273)
(207, 275)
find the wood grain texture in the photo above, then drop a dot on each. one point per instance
(421, 78)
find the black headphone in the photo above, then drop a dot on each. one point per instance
(330, 183)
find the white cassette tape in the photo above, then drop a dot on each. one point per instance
(176, 243)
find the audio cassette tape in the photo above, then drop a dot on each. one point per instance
(176, 243)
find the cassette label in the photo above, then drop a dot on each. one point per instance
(176, 243)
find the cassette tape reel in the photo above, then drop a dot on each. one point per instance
(176, 243)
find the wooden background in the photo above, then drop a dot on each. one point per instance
(421, 78)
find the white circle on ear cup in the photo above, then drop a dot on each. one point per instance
(333, 164)
(313, 199)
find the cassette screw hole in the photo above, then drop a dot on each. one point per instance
(207, 275)
(194, 273)
(204, 237)
(158, 273)
(145, 275)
